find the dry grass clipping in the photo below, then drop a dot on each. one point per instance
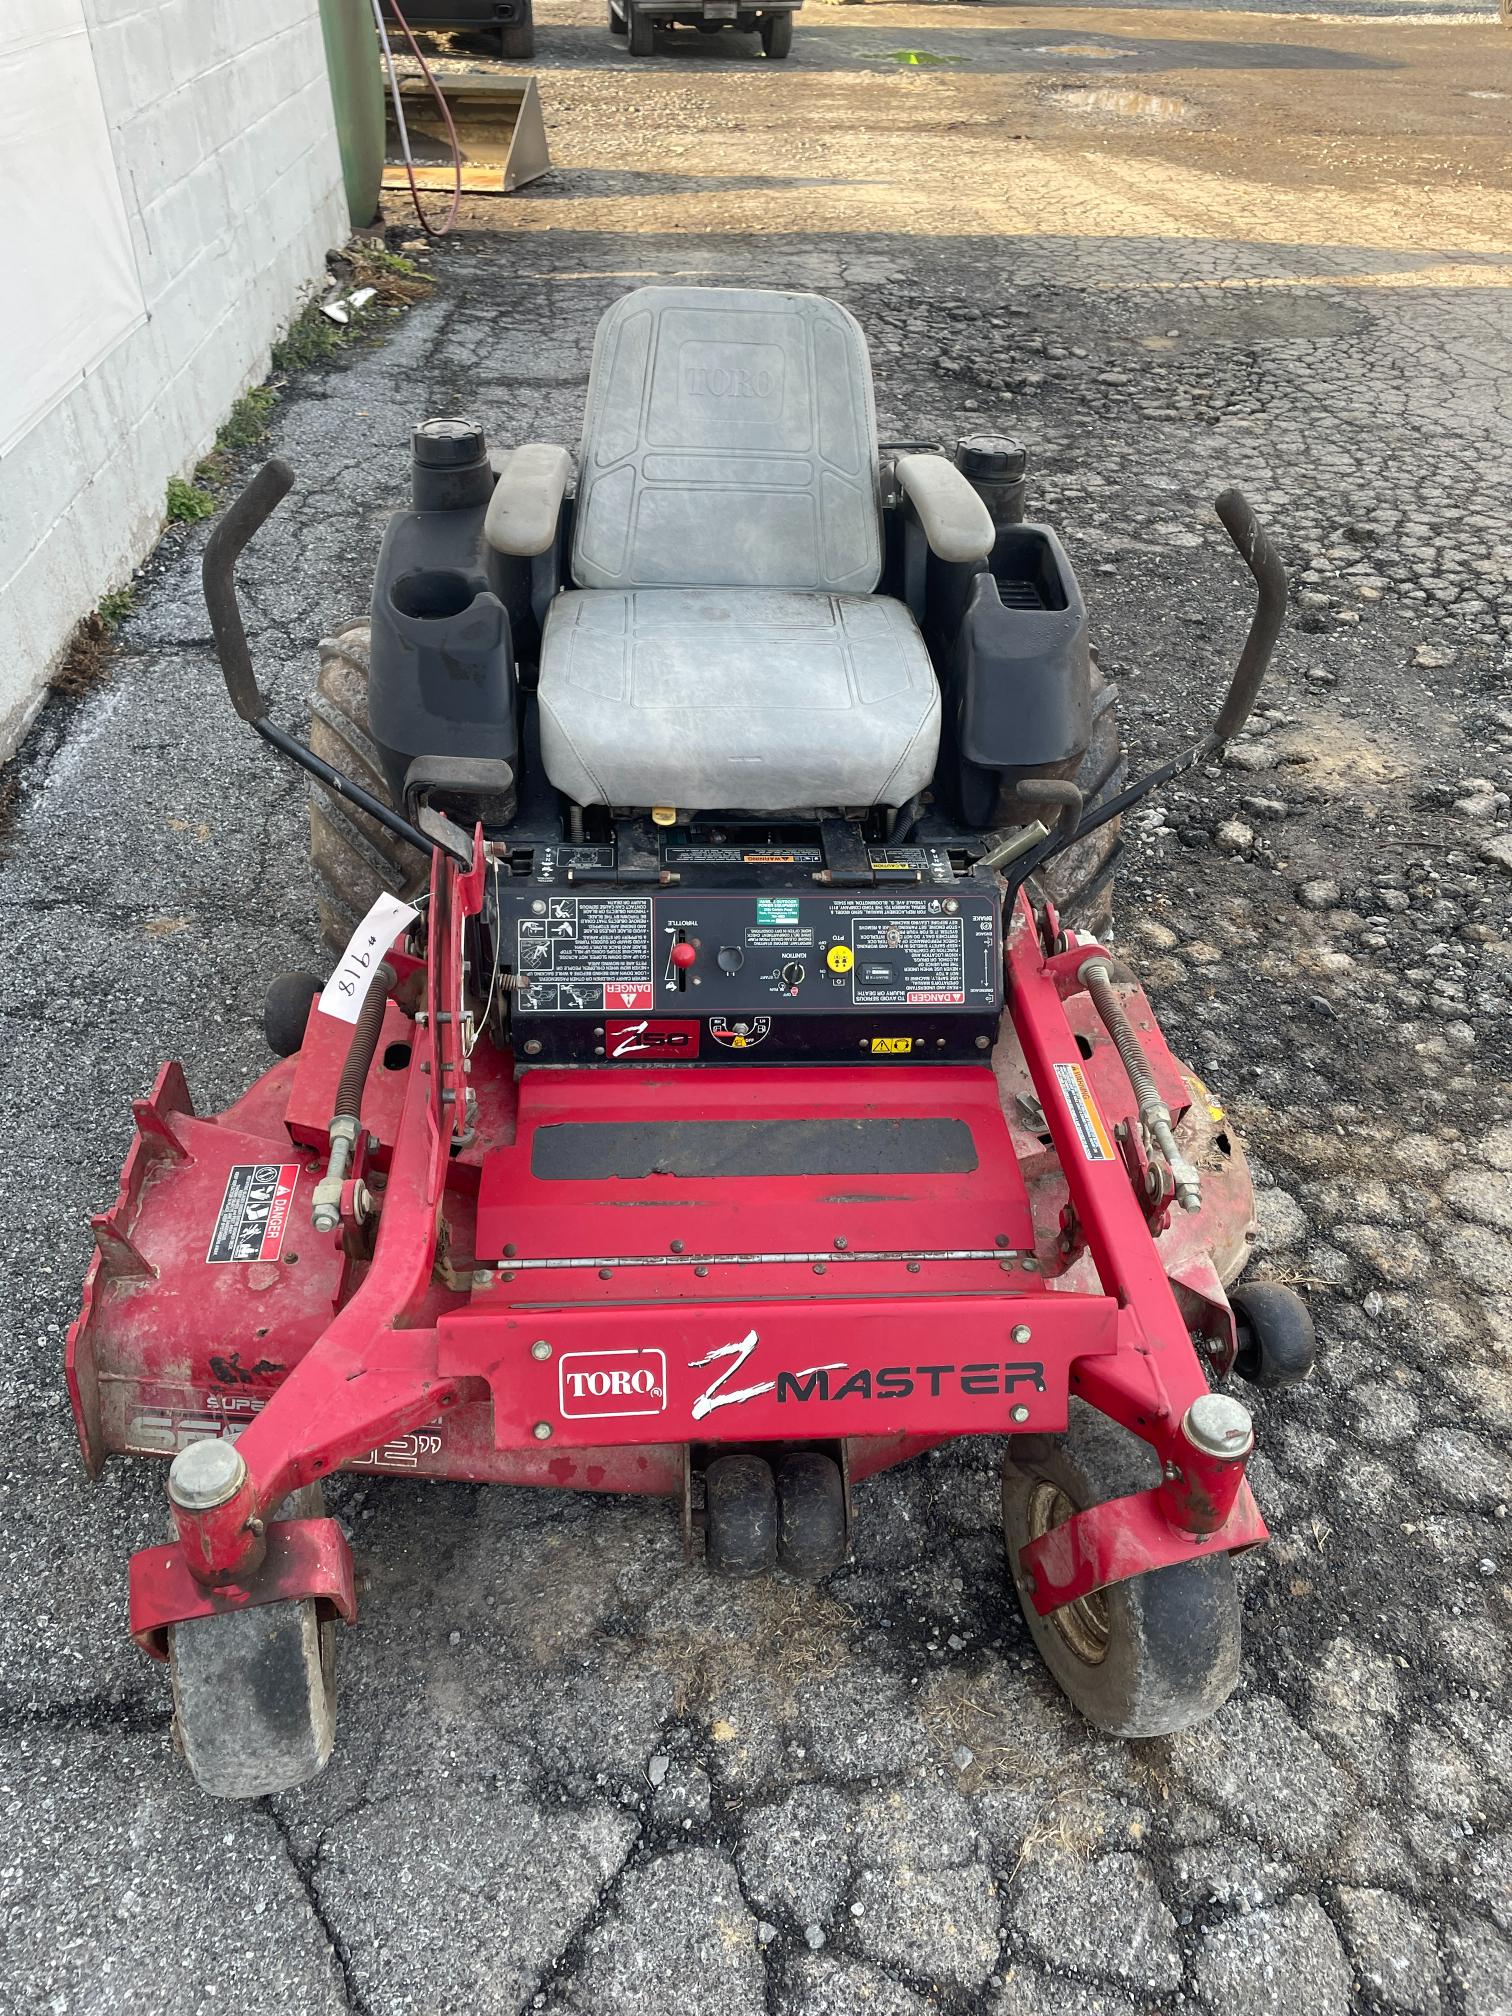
(86, 661)
(795, 1636)
(397, 280)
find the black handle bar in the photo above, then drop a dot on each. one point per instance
(242, 521)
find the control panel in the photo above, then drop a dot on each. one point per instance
(710, 973)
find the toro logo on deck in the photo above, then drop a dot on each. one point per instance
(254, 1213)
(596, 1383)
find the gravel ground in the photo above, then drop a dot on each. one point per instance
(574, 1776)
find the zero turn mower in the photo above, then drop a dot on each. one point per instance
(726, 840)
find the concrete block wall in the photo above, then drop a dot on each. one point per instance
(224, 142)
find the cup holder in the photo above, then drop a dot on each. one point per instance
(433, 594)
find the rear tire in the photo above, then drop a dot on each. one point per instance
(1145, 1657)
(354, 858)
(618, 25)
(776, 35)
(740, 1503)
(641, 30)
(517, 42)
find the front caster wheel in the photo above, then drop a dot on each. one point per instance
(810, 1515)
(254, 1698)
(740, 1510)
(286, 1010)
(1141, 1658)
(1277, 1343)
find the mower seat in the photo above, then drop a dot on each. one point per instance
(723, 648)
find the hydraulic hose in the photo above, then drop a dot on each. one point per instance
(359, 1057)
(431, 230)
(1154, 1114)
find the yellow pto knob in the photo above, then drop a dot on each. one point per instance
(840, 959)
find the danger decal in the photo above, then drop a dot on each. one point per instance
(254, 1212)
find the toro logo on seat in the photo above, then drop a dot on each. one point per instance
(593, 1384)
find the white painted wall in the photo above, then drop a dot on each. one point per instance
(179, 185)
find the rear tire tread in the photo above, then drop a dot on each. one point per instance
(354, 858)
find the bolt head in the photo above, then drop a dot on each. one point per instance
(206, 1474)
(542, 1431)
(541, 1350)
(1021, 1333)
(1019, 1413)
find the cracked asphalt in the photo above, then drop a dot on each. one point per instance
(1171, 250)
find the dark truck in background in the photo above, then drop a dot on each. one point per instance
(514, 21)
(640, 19)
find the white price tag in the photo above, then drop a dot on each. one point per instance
(346, 990)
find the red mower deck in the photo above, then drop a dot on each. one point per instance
(586, 1332)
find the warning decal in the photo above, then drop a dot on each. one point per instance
(254, 1213)
(582, 955)
(1085, 1117)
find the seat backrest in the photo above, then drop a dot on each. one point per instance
(730, 441)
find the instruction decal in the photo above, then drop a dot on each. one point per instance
(347, 988)
(739, 1033)
(584, 955)
(254, 1212)
(1085, 1117)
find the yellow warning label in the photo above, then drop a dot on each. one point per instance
(891, 1046)
(840, 959)
(1085, 1117)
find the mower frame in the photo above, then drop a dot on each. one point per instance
(460, 1365)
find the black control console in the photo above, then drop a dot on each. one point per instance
(721, 953)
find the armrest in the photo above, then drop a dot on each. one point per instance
(957, 524)
(527, 500)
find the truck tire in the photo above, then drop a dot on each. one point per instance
(1080, 882)
(642, 31)
(776, 35)
(354, 859)
(618, 24)
(517, 42)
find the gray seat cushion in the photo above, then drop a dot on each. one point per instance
(736, 700)
(730, 441)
